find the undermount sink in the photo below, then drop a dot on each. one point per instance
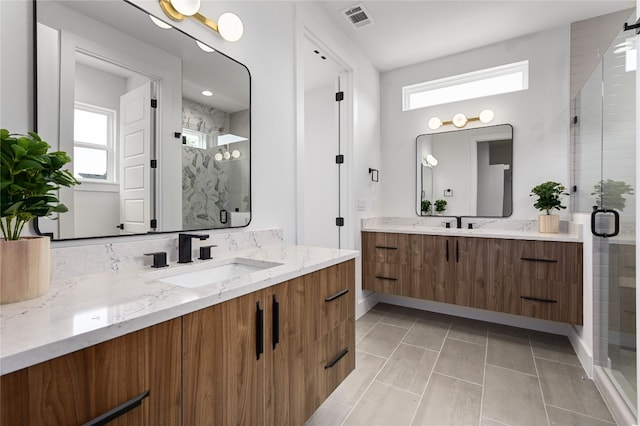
(231, 268)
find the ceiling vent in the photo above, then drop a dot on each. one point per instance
(357, 16)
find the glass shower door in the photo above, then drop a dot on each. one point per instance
(606, 148)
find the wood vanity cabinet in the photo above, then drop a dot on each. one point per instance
(541, 279)
(77, 388)
(235, 374)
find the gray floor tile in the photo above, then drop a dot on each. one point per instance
(469, 331)
(553, 347)
(331, 412)
(352, 388)
(427, 334)
(448, 401)
(462, 360)
(510, 352)
(512, 398)
(484, 421)
(435, 316)
(560, 417)
(507, 330)
(368, 320)
(398, 315)
(384, 405)
(566, 386)
(409, 368)
(382, 340)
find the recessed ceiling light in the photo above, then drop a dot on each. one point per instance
(207, 93)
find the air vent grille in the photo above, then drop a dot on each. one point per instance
(358, 16)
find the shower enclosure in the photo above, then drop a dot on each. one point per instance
(604, 175)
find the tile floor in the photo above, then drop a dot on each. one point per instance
(423, 368)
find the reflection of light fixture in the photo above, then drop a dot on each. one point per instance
(235, 153)
(460, 120)
(207, 93)
(429, 161)
(218, 156)
(204, 47)
(227, 155)
(229, 25)
(160, 23)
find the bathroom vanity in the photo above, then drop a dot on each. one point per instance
(266, 347)
(517, 272)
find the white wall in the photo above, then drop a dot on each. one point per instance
(540, 117)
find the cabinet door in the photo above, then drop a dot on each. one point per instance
(77, 388)
(278, 324)
(223, 371)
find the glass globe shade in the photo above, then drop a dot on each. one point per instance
(218, 156)
(235, 153)
(204, 47)
(159, 23)
(186, 7)
(486, 116)
(435, 123)
(230, 27)
(227, 155)
(459, 120)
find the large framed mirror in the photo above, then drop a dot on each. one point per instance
(156, 122)
(470, 169)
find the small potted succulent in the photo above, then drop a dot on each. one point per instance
(29, 177)
(425, 207)
(549, 194)
(441, 206)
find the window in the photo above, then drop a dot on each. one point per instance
(476, 84)
(94, 143)
(194, 138)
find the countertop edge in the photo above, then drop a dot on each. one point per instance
(476, 233)
(32, 356)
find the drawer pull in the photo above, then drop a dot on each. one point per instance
(337, 358)
(537, 299)
(337, 295)
(386, 278)
(387, 247)
(118, 411)
(275, 322)
(259, 331)
(535, 259)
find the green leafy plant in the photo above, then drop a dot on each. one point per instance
(609, 193)
(441, 205)
(425, 205)
(28, 178)
(548, 194)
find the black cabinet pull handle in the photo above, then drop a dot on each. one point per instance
(338, 295)
(446, 256)
(616, 223)
(386, 278)
(259, 331)
(537, 299)
(338, 357)
(457, 252)
(536, 259)
(387, 247)
(276, 322)
(116, 412)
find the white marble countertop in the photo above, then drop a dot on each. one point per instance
(81, 311)
(574, 236)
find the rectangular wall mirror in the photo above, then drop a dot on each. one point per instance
(470, 169)
(156, 122)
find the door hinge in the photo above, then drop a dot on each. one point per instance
(339, 221)
(154, 164)
(177, 135)
(339, 159)
(339, 96)
(154, 103)
(154, 223)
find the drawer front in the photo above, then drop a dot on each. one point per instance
(335, 357)
(335, 296)
(551, 300)
(386, 248)
(386, 278)
(540, 260)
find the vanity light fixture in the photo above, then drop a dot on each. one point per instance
(204, 47)
(226, 155)
(229, 25)
(430, 161)
(160, 23)
(460, 120)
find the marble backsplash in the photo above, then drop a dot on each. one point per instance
(126, 255)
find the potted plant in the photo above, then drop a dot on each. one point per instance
(609, 194)
(425, 207)
(28, 178)
(548, 194)
(441, 206)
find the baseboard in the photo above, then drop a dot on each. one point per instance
(619, 410)
(366, 303)
(584, 355)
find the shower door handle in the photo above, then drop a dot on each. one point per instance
(616, 223)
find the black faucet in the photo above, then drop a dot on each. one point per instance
(184, 246)
(459, 222)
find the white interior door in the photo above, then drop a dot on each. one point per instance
(136, 131)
